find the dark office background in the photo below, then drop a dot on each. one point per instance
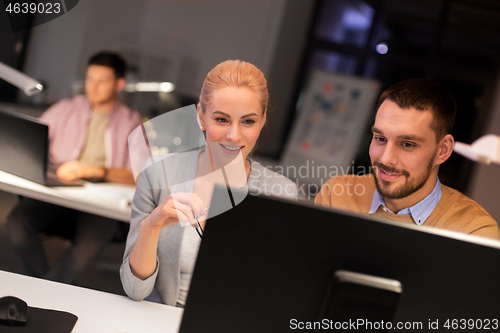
(12, 52)
(453, 41)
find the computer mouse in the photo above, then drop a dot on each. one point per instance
(13, 311)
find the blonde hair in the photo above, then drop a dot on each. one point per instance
(234, 73)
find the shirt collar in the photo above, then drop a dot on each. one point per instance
(419, 211)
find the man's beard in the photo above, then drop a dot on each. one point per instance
(410, 186)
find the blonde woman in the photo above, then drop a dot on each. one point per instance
(160, 253)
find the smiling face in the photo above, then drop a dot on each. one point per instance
(405, 154)
(233, 121)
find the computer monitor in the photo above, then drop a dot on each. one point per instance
(23, 146)
(270, 265)
(24, 150)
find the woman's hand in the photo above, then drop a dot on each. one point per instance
(179, 207)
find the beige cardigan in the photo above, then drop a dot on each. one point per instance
(454, 211)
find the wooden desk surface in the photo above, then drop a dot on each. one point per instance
(96, 311)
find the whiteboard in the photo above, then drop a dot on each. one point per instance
(326, 136)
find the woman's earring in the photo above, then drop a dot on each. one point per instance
(202, 128)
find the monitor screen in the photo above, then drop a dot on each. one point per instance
(270, 265)
(23, 146)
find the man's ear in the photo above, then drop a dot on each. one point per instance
(120, 84)
(445, 149)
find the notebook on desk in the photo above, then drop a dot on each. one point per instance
(24, 149)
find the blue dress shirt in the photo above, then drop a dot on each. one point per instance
(419, 211)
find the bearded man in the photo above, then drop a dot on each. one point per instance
(411, 139)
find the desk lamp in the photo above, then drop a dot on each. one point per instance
(485, 150)
(20, 80)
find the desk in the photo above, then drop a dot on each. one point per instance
(96, 311)
(79, 198)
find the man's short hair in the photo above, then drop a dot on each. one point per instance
(425, 94)
(112, 60)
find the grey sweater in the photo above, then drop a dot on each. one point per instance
(151, 190)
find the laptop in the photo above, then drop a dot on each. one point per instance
(271, 265)
(24, 149)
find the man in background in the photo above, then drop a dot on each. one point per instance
(411, 139)
(88, 139)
